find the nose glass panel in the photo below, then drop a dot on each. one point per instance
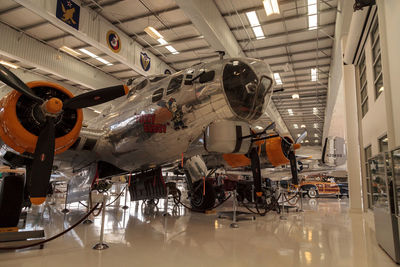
(240, 85)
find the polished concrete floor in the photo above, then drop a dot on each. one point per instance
(325, 234)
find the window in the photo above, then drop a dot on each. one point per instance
(138, 87)
(157, 95)
(363, 84)
(157, 78)
(376, 59)
(383, 144)
(174, 84)
(368, 154)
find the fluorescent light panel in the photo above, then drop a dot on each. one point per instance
(303, 126)
(83, 50)
(315, 111)
(290, 111)
(253, 19)
(258, 32)
(153, 33)
(162, 41)
(255, 24)
(315, 125)
(315, 135)
(8, 64)
(277, 78)
(312, 22)
(102, 60)
(70, 51)
(271, 7)
(295, 96)
(295, 126)
(314, 74)
(172, 50)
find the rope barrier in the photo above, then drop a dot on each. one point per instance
(53, 237)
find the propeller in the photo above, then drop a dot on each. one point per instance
(38, 173)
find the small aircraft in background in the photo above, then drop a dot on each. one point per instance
(150, 125)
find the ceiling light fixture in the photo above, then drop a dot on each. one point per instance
(312, 11)
(315, 111)
(303, 126)
(315, 125)
(277, 78)
(315, 141)
(271, 7)
(153, 33)
(314, 74)
(315, 135)
(381, 89)
(8, 64)
(162, 41)
(307, 141)
(102, 60)
(172, 50)
(295, 126)
(255, 24)
(290, 111)
(83, 50)
(70, 51)
(295, 96)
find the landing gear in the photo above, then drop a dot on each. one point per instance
(11, 199)
(202, 199)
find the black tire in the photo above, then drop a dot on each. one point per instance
(312, 192)
(202, 202)
(11, 198)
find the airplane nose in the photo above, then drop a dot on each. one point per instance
(244, 89)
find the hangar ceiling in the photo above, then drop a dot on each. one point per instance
(289, 45)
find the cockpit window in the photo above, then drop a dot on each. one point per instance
(138, 87)
(157, 95)
(174, 84)
(240, 85)
(157, 78)
(264, 94)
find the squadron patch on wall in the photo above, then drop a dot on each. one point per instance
(113, 41)
(145, 61)
(68, 12)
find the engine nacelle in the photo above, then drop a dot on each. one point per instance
(226, 137)
(272, 151)
(20, 119)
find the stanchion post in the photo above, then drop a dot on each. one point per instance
(65, 210)
(126, 196)
(89, 206)
(283, 217)
(234, 223)
(101, 245)
(301, 200)
(166, 202)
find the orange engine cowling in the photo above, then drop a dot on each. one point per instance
(272, 150)
(20, 119)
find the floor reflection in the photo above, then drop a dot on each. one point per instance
(145, 234)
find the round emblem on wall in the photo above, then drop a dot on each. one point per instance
(145, 61)
(113, 41)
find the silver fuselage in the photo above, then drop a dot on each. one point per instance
(124, 134)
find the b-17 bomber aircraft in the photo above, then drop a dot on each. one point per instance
(150, 124)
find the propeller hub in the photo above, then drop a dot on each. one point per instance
(53, 105)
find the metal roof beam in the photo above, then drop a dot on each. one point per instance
(23, 48)
(92, 30)
(313, 40)
(208, 20)
(283, 19)
(157, 13)
(283, 34)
